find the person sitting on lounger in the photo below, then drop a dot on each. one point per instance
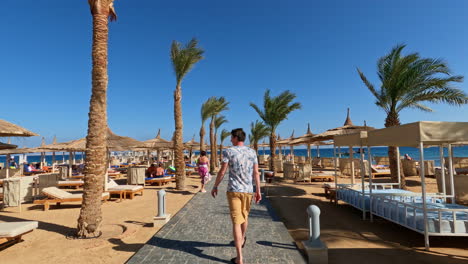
(151, 171)
(159, 170)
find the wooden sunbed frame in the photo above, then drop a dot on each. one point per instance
(159, 181)
(50, 200)
(8, 241)
(123, 193)
(322, 177)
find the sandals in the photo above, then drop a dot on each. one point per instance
(233, 261)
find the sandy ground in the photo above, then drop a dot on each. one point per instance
(353, 240)
(127, 226)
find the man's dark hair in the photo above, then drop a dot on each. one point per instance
(239, 134)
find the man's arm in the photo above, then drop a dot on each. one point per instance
(256, 176)
(219, 178)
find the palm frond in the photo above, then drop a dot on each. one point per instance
(407, 81)
(183, 59)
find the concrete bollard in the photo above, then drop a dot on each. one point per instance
(316, 250)
(161, 203)
(262, 175)
(162, 217)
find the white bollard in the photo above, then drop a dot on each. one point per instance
(162, 218)
(316, 250)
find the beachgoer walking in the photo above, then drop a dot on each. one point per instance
(203, 170)
(243, 168)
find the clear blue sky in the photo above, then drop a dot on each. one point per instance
(309, 47)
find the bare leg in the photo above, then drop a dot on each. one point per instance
(238, 240)
(202, 188)
(244, 230)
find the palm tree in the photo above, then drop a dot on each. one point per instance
(183, 59)
(407, 82)
(220, 105)
(206, 109)
(219, 121)
(275, 110)
(258, 130)
(224, 134)
(89, 221)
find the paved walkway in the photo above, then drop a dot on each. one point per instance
(201, 232)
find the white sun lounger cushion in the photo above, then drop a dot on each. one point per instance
(13, 229)
(132, 188)
(61, 194)
(70, 182)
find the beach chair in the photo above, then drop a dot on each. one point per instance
(58, 196)
(123, 190)
(159, 181)
(11, 232)
(70, 183)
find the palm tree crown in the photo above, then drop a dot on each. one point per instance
(408, 81)
(183, 58)
(258, 130)
(276, 109)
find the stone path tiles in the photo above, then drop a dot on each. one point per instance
(201, 232)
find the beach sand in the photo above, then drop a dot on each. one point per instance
(352, 240)
(127, 226)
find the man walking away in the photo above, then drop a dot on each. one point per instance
(243, 167)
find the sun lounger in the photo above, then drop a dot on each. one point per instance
(11, 232)
(58, 196)
(322, 175)
(123, 190)
(70, 183)
(158, 181)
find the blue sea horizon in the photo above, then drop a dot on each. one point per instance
(431, 153)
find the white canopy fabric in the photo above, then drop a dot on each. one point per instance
(351, 140)
(427, 132)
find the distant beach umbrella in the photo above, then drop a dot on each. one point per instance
(8, 129)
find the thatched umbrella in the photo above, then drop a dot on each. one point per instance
(192, 145)
(8, 129)
(347, 128)
(7, 146)
(157, 143)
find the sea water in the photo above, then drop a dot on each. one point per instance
(431, 153)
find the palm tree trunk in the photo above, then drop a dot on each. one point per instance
(202, 137)
(272, 151)
(212, 147)
(178, 139)
(90, 219)
(393, 119)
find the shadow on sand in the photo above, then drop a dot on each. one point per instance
(382, 240)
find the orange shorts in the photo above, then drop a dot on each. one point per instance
(239, 206)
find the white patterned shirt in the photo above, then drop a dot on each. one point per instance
(241, 160)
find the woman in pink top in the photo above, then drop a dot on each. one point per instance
(203, 170)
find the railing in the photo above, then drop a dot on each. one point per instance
(410, 220)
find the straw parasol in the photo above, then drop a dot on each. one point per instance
(114, 142)
(158, 142)
(347, 128)
(8, 129)
(7, 146)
